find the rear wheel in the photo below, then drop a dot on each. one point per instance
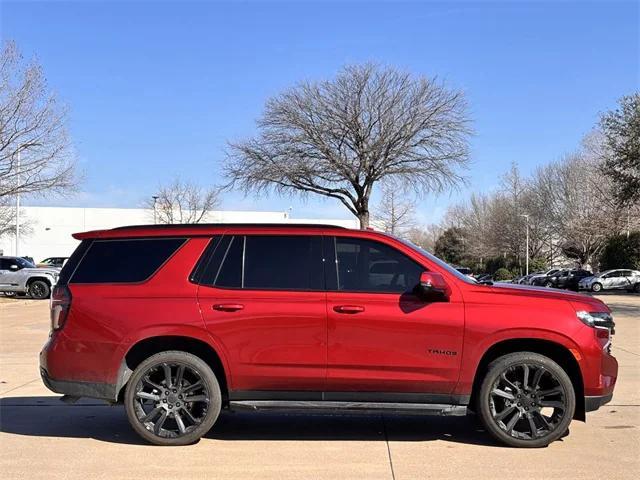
(596, 287)
(172, 398)
(526, 400)
(39, 289)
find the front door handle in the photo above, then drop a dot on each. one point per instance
(228, 307)
(348, 309)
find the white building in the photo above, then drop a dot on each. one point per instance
(46, 231)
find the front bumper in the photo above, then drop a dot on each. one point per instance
(594, 403)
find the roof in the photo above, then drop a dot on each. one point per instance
(179, 229)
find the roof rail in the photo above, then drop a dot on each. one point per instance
(231, 225)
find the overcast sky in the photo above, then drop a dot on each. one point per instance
(155, 89)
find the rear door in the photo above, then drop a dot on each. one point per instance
(262, 297)
(382, 337)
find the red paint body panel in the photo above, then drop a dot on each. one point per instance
(318, 341)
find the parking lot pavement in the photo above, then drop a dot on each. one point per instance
(41, 437)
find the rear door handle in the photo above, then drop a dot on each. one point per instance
(348, 309)
(228, 307)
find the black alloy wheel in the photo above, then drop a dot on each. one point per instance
(526, 400)
(173, 398)
(39, 289)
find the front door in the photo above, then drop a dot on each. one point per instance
(382, 337)
(263, 300)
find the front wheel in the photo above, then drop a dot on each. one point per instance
(596, 287)
(172, 398)
(526, 400)
(39, 289)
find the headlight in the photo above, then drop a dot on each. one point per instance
(597, 319)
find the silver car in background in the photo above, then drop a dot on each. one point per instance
(619, 279)
(20, 276)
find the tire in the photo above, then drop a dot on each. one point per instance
(554, 392)
(548, 284)
(163, 406)
(39, 289)
(636, 288)
(596, 287)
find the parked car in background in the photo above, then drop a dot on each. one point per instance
(180, 321)
(540, 278)
(18, 275)
(464, 270)
(619, 279)
(567, 279)
(56, 262)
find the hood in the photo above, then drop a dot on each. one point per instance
(580, 301)
(41, 270)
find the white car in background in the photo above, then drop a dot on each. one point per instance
(619, 279)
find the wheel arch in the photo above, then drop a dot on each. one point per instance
(146, 347)
(30, 280)
(553, 350)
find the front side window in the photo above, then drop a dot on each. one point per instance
(124, 261)
(267, 262)
(370, 266)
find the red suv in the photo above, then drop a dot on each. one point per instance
(178, 322)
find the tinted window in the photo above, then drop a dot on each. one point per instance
(230, 271)
(283, 263)
(368, 266)
(269, 262)
(123, 261)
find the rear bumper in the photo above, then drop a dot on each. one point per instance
(594, 403)
(104, 391)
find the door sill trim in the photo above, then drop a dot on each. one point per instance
(351, 407)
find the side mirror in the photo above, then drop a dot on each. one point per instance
(432, 285)
(14, 267)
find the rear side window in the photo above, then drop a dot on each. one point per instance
(124, 261)
(267, 262)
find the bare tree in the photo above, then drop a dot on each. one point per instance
(339, 138)
(425, 236)
(183, 202)
(394, 212)
(35, 153)
(581, 205)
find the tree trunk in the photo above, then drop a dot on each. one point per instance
(363, 216)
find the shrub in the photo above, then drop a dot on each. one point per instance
(503, 274)
(621, 252)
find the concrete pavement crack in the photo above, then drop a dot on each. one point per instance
(386, 440)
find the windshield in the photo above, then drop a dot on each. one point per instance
(436, 260)
(24, 263)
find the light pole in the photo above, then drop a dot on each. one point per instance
(155, 199)
(18, 207)
(526, 217)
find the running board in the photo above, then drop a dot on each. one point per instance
(360, 407)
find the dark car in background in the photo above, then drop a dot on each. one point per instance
(567, 279)
(55, 262)
(541, 277)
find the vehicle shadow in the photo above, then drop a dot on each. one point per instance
(49, 417)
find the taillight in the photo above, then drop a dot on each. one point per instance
(60, 304)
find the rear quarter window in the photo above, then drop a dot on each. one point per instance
(124, 261)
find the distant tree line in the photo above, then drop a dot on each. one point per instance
(581, 210)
